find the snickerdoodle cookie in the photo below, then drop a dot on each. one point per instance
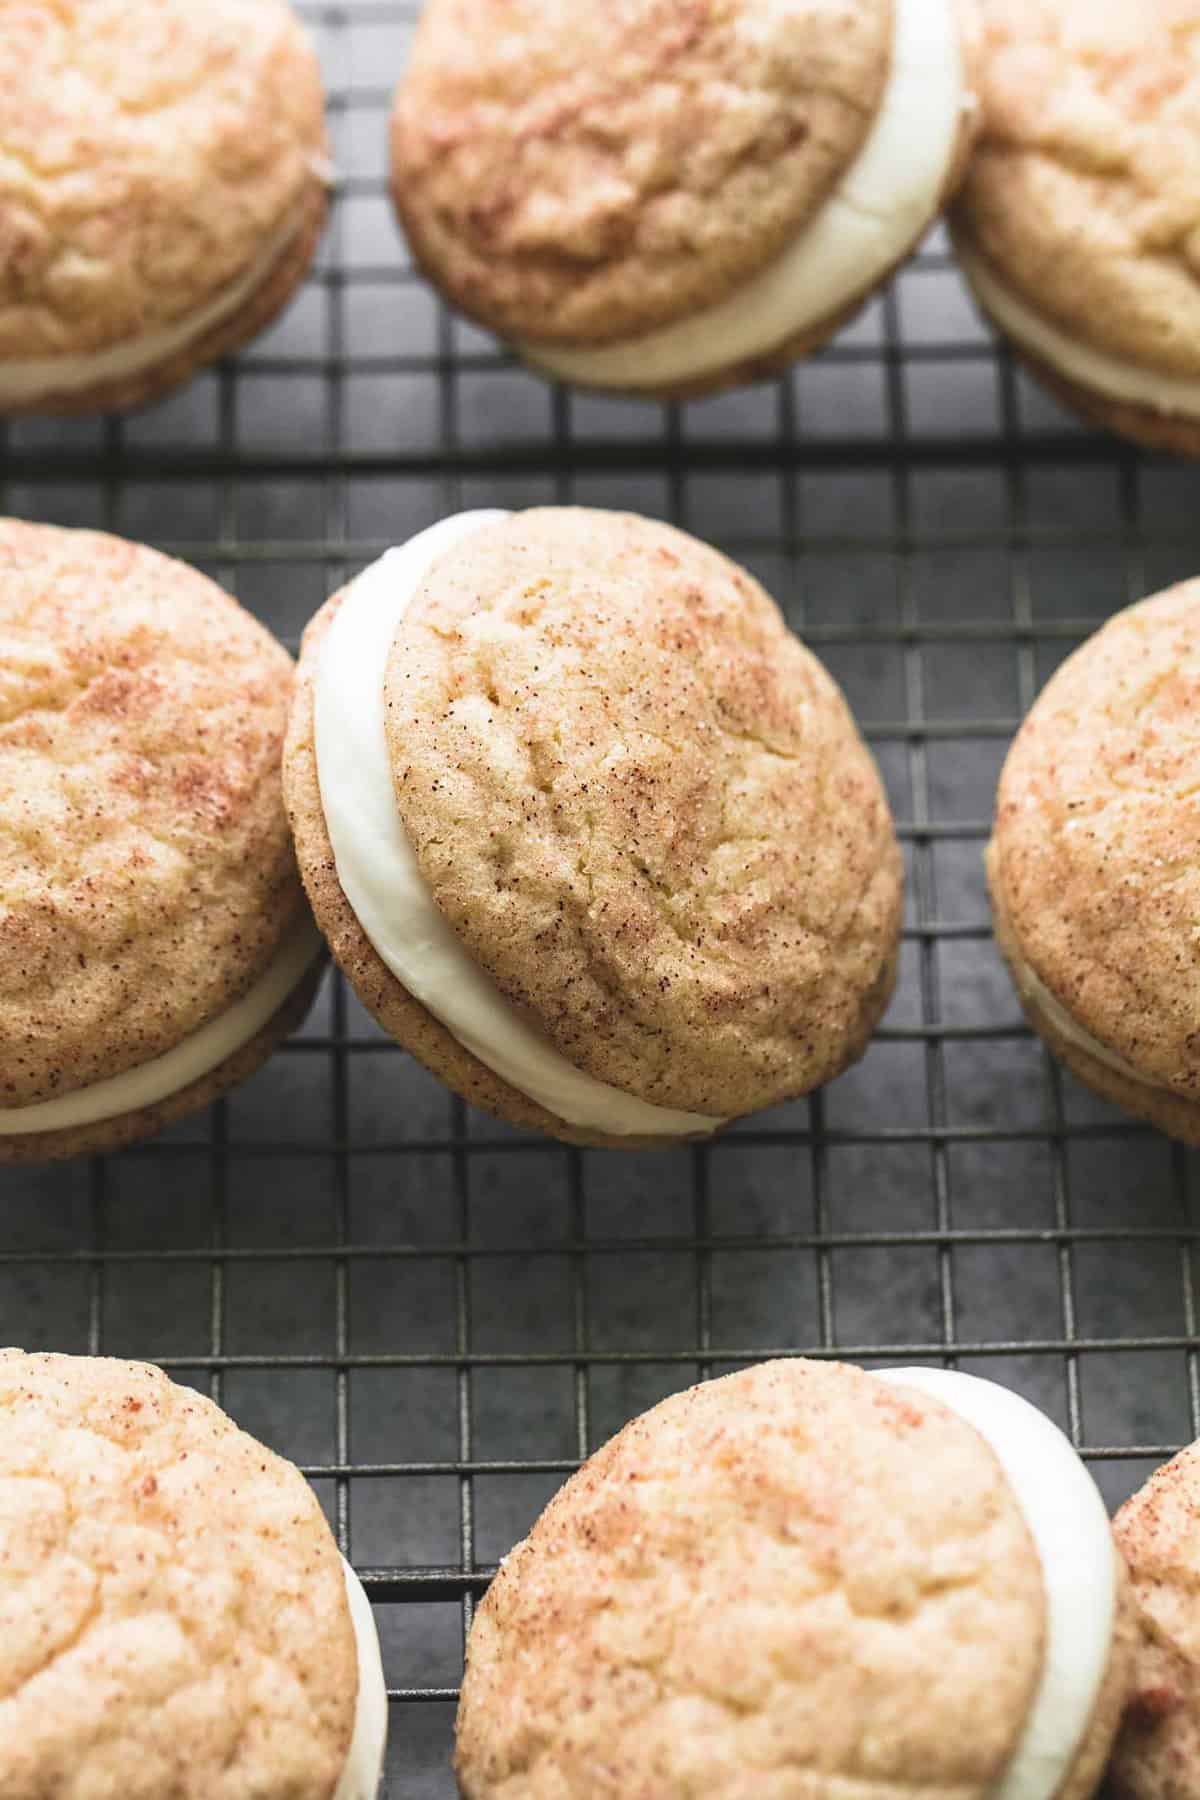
(176, 1617)
(810, 1583)
(671, 198)
(1157, 1755)
(1079, 222)
(1092, 866)
(163, 172)
(154, 940)
(588, 829)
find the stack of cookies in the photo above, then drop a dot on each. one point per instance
(797, 1579)
(668, 199)
(1076, 226)
(657, 199)
(177, 1620)
(804, 1579)
(589, 831)
(163, 177)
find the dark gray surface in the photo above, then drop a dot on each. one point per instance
(435, 1317)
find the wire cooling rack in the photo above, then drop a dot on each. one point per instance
(437, 1317)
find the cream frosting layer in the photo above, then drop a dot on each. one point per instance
(1135, 383)
(874, 215)
(36, 378)
(1070, 1529)
(1069, 1028)
(198, 1054)
(380, 877)
(363, 1768)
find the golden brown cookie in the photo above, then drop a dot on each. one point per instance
(647, 852)
(670, 198)
(163, 169)
(154, 940)
(800, 1581)
(176, 1617)
(1078, 221)
(1094, 880)
(1157, 1755)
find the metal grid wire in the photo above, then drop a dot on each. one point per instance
(437, 1317)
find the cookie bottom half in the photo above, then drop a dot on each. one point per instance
(1141, 424)
(1172, 1113)
(127, 1128)
(127, 393)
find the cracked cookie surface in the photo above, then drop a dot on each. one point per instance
(1082, 193)
(1093, 857)
(146, 870)
(585, 174)
(173, 1613)
(792, 1581)
(148, 150)
(644, 808)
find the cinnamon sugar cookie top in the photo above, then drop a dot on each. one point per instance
(586, 173)
(1084, 191)
(146, 871)
(1158, 1531)
(148, 150)
(1093, 856)
(644, 808)
(791, 1581)
(174, 1608)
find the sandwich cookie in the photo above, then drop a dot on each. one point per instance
(1157, 1755)
(806, 1581)
(163, 176)
(177, 1619)
(155, 944)
(668, 199)
(588, 830)
(1077, 224)
(1092, 869)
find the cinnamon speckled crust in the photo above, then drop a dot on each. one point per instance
(128, 1128)
(793, 1583)
(148, 148)
(644, 808)
(267, 301)
(174, 1610)
(1158, 1752)
(146, 872)
(1082, 194)
(583, 174)
(1092, 866)
(402, 1017)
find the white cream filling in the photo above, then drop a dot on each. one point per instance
(1069, 1028)
(39, 377)
(177, 1068)
(1094, 370)
(363, 1768)
(1070, 1529)
(877, 211)
(382, 881)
